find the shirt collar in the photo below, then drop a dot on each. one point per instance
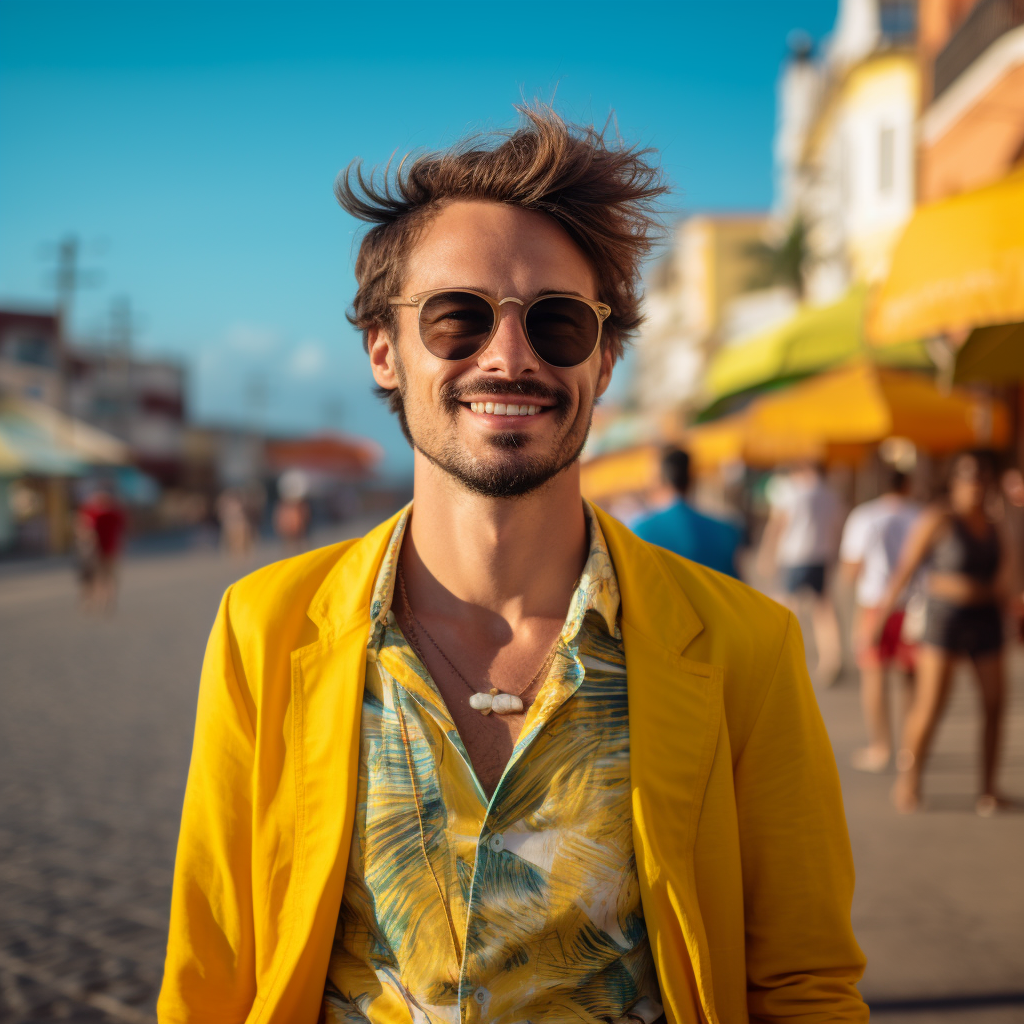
(384, 588)
(597, 589)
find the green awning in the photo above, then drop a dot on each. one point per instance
(815, 338)
(39, 441)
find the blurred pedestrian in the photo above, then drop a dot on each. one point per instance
(967, 587)
(291, 515)
(99, 534)
(235, 528)
(682, 529)
(869, 552)
(801, 541)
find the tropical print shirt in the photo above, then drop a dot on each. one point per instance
(525, 907)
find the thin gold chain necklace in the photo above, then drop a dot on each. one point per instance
(498, 701)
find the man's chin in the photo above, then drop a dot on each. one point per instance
(510, 440)
(506, 471)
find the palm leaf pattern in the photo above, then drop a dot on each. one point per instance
(435, 925)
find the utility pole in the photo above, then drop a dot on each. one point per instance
(68, 278)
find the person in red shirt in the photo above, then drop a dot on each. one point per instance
(100, 532)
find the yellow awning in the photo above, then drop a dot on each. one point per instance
(959, 264)
(733, 439)
(721, 441)
(631, 471)
(862, 404)
(994, 354)
(814, 339)
(837, 416)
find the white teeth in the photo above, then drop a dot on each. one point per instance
(505, 408)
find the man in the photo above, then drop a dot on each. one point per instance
(500, 759)
(99, 533)
(684, 530)
(800, 540)
(873, 538)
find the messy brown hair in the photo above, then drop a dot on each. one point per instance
(602, 192)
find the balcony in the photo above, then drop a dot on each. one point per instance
(987, 21)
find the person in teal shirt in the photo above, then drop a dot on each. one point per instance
(684, 530)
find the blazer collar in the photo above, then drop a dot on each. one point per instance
(344, 596)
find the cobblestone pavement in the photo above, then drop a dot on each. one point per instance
(94, 742)
(95, 737)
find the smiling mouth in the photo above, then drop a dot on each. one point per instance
(505, 408)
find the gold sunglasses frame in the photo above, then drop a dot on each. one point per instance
(601, 310)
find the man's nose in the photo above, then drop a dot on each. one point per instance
(509, 351)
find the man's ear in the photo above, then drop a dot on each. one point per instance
(382, 358)
(604, 377)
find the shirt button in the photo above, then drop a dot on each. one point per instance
(496, 842)
(481, 995)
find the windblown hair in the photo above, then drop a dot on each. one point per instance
(603, 194)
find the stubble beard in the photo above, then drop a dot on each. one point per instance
(512, 471)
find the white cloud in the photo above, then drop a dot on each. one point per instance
(308, 359)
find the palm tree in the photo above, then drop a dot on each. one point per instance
(783, 262)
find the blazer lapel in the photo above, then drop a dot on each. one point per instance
(327, 691)
(674, 719)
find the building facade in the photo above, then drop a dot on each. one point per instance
(140, 401)
(691, 305)
(845, 149)
(29, 355)
(972, 68)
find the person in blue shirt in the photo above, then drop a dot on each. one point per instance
(684, 530)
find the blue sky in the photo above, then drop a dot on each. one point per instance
(192, 147)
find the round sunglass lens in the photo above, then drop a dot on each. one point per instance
(455, 325)
(562, 330)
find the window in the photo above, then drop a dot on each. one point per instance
(886, 160)
(898, 20)
(32, 349)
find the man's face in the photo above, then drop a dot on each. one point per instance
(502, 251)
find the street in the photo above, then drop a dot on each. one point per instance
(94, 744)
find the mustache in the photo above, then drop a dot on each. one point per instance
(454, 392)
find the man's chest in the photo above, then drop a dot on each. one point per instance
(553, 838)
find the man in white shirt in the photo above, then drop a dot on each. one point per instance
(800, 540)
(869, 552)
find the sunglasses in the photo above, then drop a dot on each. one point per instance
(456, 323)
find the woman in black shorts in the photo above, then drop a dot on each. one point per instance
(966, 556)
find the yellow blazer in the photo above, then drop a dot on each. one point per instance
(741, 844)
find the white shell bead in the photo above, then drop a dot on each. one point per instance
(480, 701)
(506, 704)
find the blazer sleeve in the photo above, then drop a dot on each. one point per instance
(209, 974)
(803, 962)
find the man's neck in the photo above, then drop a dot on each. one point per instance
(476, 557)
